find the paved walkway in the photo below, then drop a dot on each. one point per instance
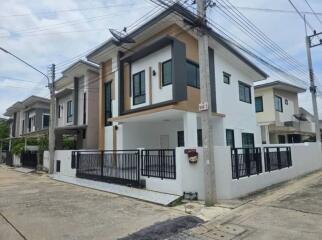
(291, 211)
(141, 194)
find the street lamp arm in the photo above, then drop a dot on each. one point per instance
(21, 60)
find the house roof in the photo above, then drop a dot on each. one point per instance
(80, 63)
(190, 17)
(17, 106)
(74, 70)
(279, 84)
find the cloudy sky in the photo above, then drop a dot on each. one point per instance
(61, 31)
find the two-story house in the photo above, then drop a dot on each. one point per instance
(278, 114)
(28, 117)
(149, 90)
(77, 106)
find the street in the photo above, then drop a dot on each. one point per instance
(35, 207)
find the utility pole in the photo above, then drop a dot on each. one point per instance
(205, 108)
(51, 140)
(309, 45)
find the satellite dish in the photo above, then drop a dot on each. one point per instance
(121, 37)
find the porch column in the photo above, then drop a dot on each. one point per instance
(267, 135)
(190, 126)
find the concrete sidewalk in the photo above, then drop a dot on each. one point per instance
(140, 194)
(292, 210)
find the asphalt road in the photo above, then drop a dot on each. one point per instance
(37, 208)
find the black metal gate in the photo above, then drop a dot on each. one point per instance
(121, 167)
(29, 159)
(8, 158)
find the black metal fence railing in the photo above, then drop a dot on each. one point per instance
(29, 159)
(246, 162)
(159, 163)
(277, 158)
(122, 167)
(8, 158)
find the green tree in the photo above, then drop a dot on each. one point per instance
(4, 129)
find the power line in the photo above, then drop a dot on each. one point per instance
(299, 13)
(319, 20)
(67, 10)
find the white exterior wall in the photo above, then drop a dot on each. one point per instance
(239, 116)
(288, 110)
(148, 134)
(65, 157)
(152, 60)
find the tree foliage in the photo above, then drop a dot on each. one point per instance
(4, 129)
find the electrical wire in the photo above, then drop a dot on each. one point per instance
(319, 20)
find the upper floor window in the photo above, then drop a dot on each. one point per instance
(245, 93)
(139, 88)
(259, 104)
(226, 77)
(69, 111)
(167, 73)
(193, 74)
(45, 121)
(278, 104)
(108, 103)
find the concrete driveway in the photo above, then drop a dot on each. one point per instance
(35, 207)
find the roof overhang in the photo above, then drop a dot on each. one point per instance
(280, 86)
(65, 92)
(27, 103)
(165, 19)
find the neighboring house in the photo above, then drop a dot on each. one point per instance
(278, 113)
(29, 117)
(77, 105)
(149, 91)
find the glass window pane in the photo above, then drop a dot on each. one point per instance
(167, 73)
(180, 136)
(259, 104)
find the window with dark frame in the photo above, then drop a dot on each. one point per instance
(59, 111)
(45, 121)
(259, 104)
(167, 73)
(278, 103)
(199, 136)
(108, 102)
(180, 137)
(69, 112)
(248, 140)
(139, 88)
(84, 108)
(193, 74)
(245, 93)
(230, 138)
(226, 77)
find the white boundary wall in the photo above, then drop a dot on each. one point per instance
(306, 158)
(65, 157)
